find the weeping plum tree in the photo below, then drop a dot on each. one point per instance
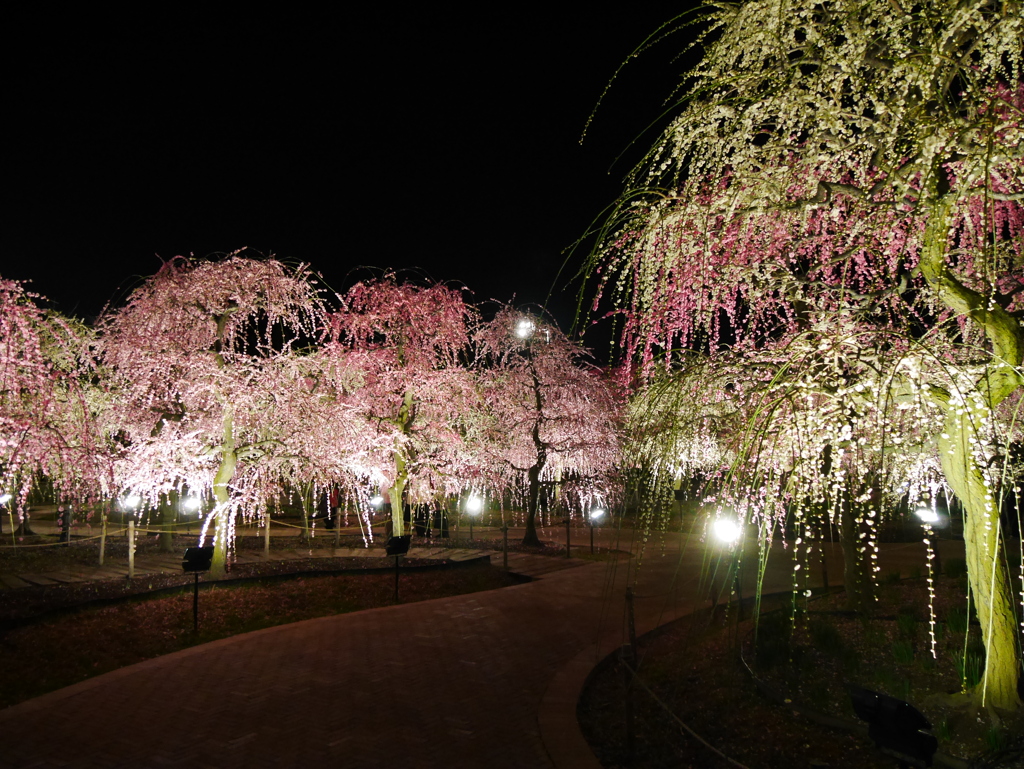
(405, 348)
(208, 392)
(47, 405)
(839, 170)
(553, 417)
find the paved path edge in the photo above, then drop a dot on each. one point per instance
(556, 717)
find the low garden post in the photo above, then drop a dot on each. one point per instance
(266, 534)
(131, 548)
(103, 535)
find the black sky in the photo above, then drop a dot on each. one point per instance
(431, 138)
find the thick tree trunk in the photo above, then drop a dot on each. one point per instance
(397, 492)
(530, 538)
(962, 445)
(168, 515)
(222, 521)
(989, 582)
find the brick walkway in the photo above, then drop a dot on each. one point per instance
(481, 680)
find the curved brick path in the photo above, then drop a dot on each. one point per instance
(454, 682)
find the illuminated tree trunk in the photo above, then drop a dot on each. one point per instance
(983, 541)
(168, 508)
(961, 444)
(397, 490)
(221, 494)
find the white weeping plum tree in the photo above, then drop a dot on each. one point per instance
(207, 388)
(838, 201)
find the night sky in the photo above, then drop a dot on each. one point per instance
(441, 140)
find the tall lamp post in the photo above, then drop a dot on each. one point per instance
(596, 514)
(474, 506)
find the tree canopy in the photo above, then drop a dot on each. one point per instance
(834, 218)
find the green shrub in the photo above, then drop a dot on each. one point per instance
(907, 624)
(957, 621)
(971, 665)
(903, 652)
(995, 739)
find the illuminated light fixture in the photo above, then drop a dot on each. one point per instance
(726, 530)
(5, 498)
(376, 500)
(596, 513)
(474, 504)
(927, 516)
(191, 504)
(132, 501)
(524, 328)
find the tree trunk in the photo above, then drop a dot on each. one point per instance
(64, 523)
(961, 446)
(855, 573)
(530, 538)
(168, 515)
(983, 543)
(396, 493)
(25, 524)
(222, 521)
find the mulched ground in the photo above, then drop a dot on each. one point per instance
(57, 635)
(694, 668)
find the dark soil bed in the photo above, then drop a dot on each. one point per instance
(54, 636)
(694, 673)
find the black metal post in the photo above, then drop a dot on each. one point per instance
(591, 536)
(568, 554)
(195, 604)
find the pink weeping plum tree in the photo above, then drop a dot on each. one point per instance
(834, 217)
(209, 391)
(404, 348)
(552, 418)
(47, 404)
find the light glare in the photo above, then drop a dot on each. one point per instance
(726, 530)
(524, 328)
(927, 516)
(474, 505)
